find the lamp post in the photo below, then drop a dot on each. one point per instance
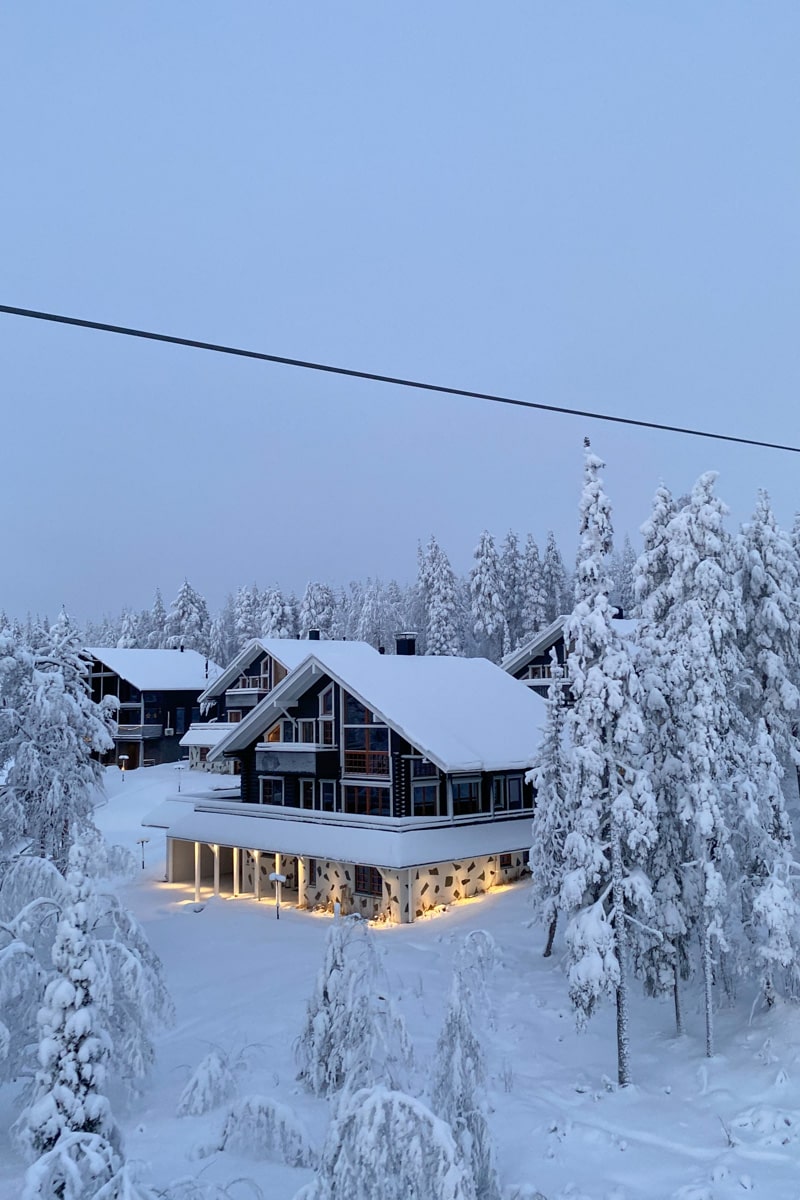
(142, 842)
(277, 879)
(123, 761)
(179, 768)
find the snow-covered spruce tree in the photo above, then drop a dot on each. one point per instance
(704, 673)
(613, 809)
(386, 1144)
(187, 623)
(158, 619)
(222, 643)
(437, 586)
(372, 625)
(554, 581)
(261, 1127)
(534, 600)
(351, 1037)
(277, 615)
(73, 1046)
(665, 960)
(129, 631)
(513, 576)
(212, 1083)
(771, 636)
(247, 615)
(488, 599)
(133, 1000)
(317, 610)
(552, 816)
(49, 729)
(623, 591)
(458, 1092)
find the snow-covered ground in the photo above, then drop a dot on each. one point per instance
(689, 1128)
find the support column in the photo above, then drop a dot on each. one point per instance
(411, 902)
(170, 860)
(301, 882)
(257, 873)
(197, 872)
(235, 871)
(215, 849)
(278, 863)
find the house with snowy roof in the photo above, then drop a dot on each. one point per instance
(531, 662)
(386, 784)
(233, 694)
(158, 693)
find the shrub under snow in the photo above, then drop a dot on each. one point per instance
(212, 1083)
(260, 1127)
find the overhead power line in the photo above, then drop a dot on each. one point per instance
(395, 380)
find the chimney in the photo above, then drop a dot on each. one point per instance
(406, 643)
(313, 635)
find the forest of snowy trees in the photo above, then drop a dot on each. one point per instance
(512, 590)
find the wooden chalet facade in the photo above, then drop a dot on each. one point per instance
(384, 784)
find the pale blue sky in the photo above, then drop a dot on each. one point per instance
(594, 205)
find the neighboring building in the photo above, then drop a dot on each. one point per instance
(531, 663)
(233, 694)
(386, 784)
(158, 693)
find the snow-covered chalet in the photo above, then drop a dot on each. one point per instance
(388, 784)
(159, 696)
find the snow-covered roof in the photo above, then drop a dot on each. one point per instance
(209, 733)
(317, 838)
(158, 670)
(464, 714)
(290, 652)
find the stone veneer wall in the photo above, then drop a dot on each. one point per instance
(443, 883)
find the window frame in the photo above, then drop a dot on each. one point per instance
(262, 779)
(370, 876)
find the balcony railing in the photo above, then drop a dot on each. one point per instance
(366, 762)
(542, 671)
(140, 731)
(254, 683)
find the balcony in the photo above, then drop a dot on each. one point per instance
(138, 733)
(247, 691)
(366, 762)
(296, 758)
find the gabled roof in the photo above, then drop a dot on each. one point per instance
(538, 643)
(464, 714)
(290, 652)
(158, 670)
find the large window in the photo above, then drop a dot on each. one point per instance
(368, 881)
(367, 801)
(425, 800)
(327, 795)
(468, 798)
(366, 740)
(271, 790)
(508, 794)
(326, 728)
(306, 793)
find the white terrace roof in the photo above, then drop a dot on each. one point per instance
(464, 714)
(158, 670)
(209, 733)
(290, 652)
(317, 838)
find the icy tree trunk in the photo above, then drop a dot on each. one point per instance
(551, 937)
(708, 977)
(676, 996)
(620, 929)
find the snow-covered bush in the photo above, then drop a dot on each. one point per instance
(79, 1166)
(212, 1083)
(260, 1127)
(385, 1144)
(351, 1036)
